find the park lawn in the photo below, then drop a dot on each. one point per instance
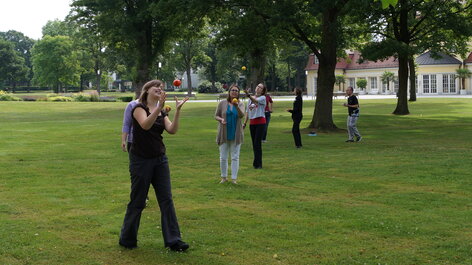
(401, 196)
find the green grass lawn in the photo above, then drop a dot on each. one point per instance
(401, 196)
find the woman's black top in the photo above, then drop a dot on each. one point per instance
(297, 111)
(148, 143)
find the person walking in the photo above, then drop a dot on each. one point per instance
(149, 165)
(257, 121)
(297, 116)
(353, 111)
(230, 132)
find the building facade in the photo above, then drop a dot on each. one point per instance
(435, 74)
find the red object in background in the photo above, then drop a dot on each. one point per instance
(177, 82)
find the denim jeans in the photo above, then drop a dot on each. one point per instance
(230, 147)
(267, 116)
(352, 127)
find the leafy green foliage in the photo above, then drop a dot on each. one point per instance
(12, 65)
(55, 62)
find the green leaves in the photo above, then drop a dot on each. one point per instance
(387, 3)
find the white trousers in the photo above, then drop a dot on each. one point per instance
(230, 147)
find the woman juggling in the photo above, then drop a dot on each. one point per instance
(148, 165)
(230, 132)
(257, 121)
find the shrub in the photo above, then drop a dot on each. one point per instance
(8, 97)
(59, 99)
(125, 99)
(81, 97)
(205, 87)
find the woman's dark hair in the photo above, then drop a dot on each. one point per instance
(144, 91)
(298, 91)
(229, 92)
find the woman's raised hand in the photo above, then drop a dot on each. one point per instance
(178, 103)
(162, 99)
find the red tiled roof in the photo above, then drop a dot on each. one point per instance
(352, 63)
(469, 59)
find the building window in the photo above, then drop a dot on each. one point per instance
(449, 84)
(352, 83)
(429, 84)
(316, 60)
(373, 82)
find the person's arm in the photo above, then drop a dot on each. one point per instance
(355, 105)
(172, 126)
(145, 121)
(245, 119)
(126, 129)
(219, 115)
(124, 140)
(269, 104)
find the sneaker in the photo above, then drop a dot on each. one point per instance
(264, 141)
(223, 180)
(349, 141)
(299, 146)
(358, 139)
(234, 181)
(179, 246)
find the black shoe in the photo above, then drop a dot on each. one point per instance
(299, 146)
(358, 139)
(179, 246)
(128, 246)
(349, 141)
(258, 167)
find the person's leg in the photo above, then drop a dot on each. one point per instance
(267, 116)
(252, 129)
(224, 160)
(162, 187)
(349, 129)
(259, 131)
(354, 130)
(235, 149)
(296, 132)
(140, 180)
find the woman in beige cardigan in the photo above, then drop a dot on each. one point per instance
(230, 132)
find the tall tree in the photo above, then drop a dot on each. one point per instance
(132, 25)
(414, 26)
(189, 50)
(55, 62)
(23, 45)
(12, 65)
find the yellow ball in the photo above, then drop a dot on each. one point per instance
(235, 101)
(167, 108)
(243, 68)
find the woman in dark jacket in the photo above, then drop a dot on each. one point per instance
(297, 116)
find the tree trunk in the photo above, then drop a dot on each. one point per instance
(323, 113)
(189, 79)
(403, 56)
(145, 58)
(289, 83)
(411, 65)
(257, 68)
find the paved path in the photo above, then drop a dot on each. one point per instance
(362, 97)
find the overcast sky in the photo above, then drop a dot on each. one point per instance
(29, 16)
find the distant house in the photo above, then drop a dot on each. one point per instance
(434, 75)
